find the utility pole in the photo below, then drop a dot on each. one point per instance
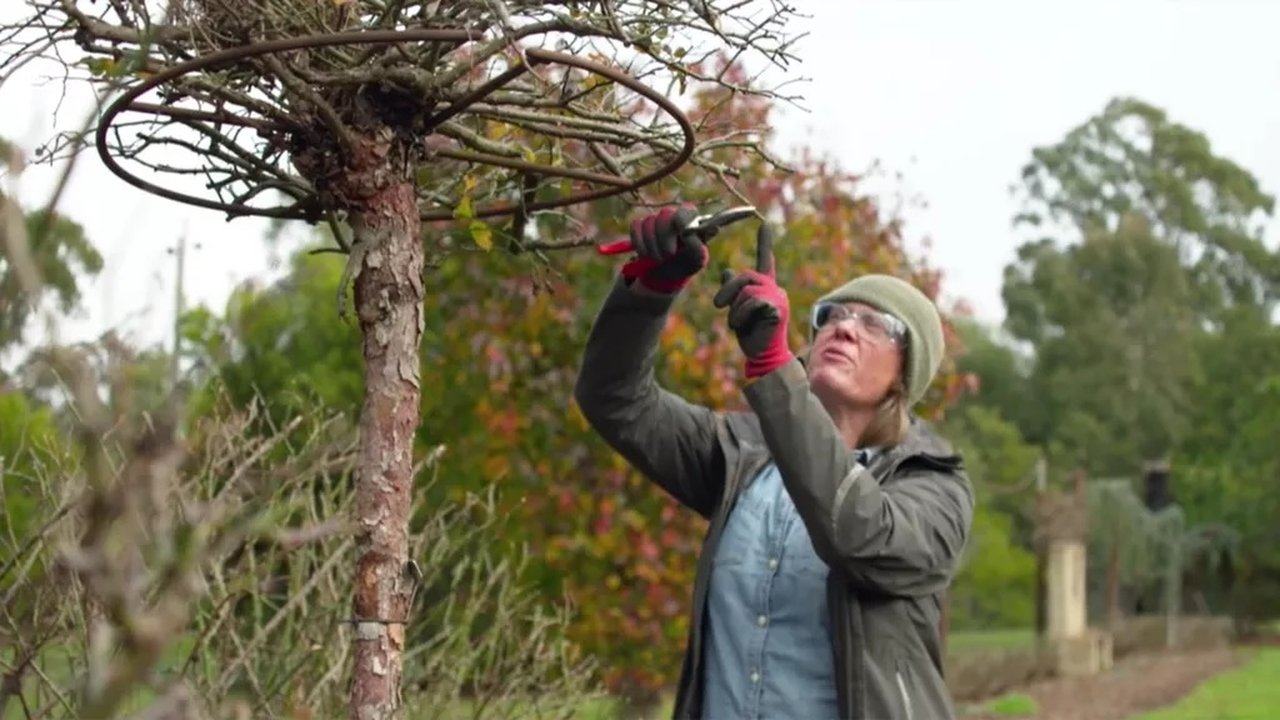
(179, 252)
(1041, 590)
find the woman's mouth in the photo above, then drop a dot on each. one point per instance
(837, 354)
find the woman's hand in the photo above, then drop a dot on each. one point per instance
(759, 310)
(667, 258)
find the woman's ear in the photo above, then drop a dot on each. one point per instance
(803, 357)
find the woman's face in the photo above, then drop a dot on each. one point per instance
(856, 356)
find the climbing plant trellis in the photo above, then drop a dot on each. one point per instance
(229, 163)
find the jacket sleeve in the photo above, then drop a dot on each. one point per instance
(673, 442)
(904, 538)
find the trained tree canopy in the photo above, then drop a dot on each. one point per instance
(377, 116)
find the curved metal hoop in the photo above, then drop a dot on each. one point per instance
(614, 184)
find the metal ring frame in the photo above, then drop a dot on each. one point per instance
(614, 184)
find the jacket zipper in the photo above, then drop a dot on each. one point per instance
(842, 641)
(906, 699)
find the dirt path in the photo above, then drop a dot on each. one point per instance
(1136, 684)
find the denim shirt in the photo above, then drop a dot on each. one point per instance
(769, 651)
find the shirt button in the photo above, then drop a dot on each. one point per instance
(773, 563)
(755, 677)
(762, 621)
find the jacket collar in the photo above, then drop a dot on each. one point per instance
(921, 441)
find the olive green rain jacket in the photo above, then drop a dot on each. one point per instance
(891, 533)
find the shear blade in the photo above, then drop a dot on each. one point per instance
(715, 221)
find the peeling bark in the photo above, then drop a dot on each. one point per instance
(388, 301)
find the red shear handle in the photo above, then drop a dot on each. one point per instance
(617, 247)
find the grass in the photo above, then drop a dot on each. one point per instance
(1249, 692)
(1012, 705)
(972, 640)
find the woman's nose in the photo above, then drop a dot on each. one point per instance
(847, 329)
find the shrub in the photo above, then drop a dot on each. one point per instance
(210, 576)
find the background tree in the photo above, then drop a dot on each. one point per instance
(1147, 297)
(1227, 470)
(1132, 158)
(61, 253)
(1111, 321)
(995, 587)
(999, 370)
(383, 129)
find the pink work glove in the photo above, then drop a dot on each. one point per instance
(666, 258)
(758, 310)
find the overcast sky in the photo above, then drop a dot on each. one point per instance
(953, 95)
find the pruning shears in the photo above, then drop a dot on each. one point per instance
(705, 226)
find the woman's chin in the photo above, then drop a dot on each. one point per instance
(833, 385)
(825, 379)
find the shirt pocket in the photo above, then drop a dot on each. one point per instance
(798, 553)
(744, 538)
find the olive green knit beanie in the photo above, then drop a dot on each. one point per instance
(925, 345)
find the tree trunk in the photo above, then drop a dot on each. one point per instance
(1113, 586)
(388, 302)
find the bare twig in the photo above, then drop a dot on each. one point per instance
(286, 97)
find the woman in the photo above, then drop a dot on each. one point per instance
(837, 519)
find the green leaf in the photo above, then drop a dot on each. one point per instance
(464, 210)
(481, 234)
(100, 67)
